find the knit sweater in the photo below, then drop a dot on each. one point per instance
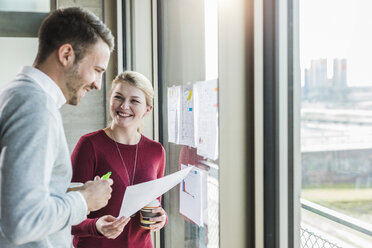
(36, 170)
(96, 154)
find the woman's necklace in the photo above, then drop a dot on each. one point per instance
(122, 160)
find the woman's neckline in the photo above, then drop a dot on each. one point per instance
(121, 144)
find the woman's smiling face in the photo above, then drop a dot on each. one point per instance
(128, 105)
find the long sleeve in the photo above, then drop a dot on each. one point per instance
(96, 154)
(86, 228)
(83, 161)
(161, 164)
(161, 169)
(83, 164)
(31, 207)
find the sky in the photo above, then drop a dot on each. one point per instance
(338, 29)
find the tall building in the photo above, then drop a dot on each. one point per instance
(306, 84)
(318, 74)
(339, 73)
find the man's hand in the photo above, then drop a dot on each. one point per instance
(97, 193)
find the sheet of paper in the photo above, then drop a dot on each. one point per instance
(192, 196)
(206, 102)
(213, 206)
(187, 136)
(205, 196)
(139, 195)
(173, 107)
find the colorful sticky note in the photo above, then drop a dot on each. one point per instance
(190, 95)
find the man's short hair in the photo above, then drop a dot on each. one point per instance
(76, 26)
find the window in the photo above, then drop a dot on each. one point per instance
(336, 122)
(188, 65)
(25, 5)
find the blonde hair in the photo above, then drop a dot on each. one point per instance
(137, 80)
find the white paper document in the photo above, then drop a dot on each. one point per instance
(173, 113)
(193, 195)
(187, 135)
(139, 195)
(207, 118)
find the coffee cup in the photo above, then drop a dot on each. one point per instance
(146, 214)
(75, 187)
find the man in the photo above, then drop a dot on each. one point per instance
(36, 211)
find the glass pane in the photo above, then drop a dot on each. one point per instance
(25, 5)
(22, 50)
(336, 121)
(188, 77)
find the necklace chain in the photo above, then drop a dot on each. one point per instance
(122, 160)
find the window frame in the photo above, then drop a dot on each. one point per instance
(22, 24)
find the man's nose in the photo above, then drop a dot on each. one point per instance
(96, 85)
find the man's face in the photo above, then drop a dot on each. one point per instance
(86, 75)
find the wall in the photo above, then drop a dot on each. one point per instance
(12, 61)
(90, 114)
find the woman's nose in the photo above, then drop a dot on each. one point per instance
(124, 106)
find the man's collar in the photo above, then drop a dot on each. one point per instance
(45, 82)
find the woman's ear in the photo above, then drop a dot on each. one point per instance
(148, 110)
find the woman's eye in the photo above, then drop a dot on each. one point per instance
(118, 97)
(135, 101)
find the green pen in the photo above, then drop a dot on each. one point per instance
(106, 176)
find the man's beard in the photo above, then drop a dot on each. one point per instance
(73, 85)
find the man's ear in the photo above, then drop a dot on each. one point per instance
(66, 54)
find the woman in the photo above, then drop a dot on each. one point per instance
(131, 157)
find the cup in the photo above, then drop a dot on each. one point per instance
(146, 213)
(75, 187)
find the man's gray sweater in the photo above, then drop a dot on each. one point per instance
(35, 171)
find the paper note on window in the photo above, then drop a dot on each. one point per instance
(206, 102)
(173, 107)
(191, 195)
(187, 136)
(139, 195)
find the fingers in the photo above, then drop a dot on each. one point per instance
(113, 227)
(158, 225)
(107, 190)
(161, 218)
(97, 193)
(109, 218)
(110, 181)
(121, 222)
(158, 210)
(126, 221)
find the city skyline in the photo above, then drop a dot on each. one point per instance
(317, 75)
(340, 29)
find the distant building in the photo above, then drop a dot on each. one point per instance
(316, 75)
(339, 73)
(307, 84)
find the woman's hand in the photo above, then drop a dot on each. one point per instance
(160, 220)
(111, 227)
